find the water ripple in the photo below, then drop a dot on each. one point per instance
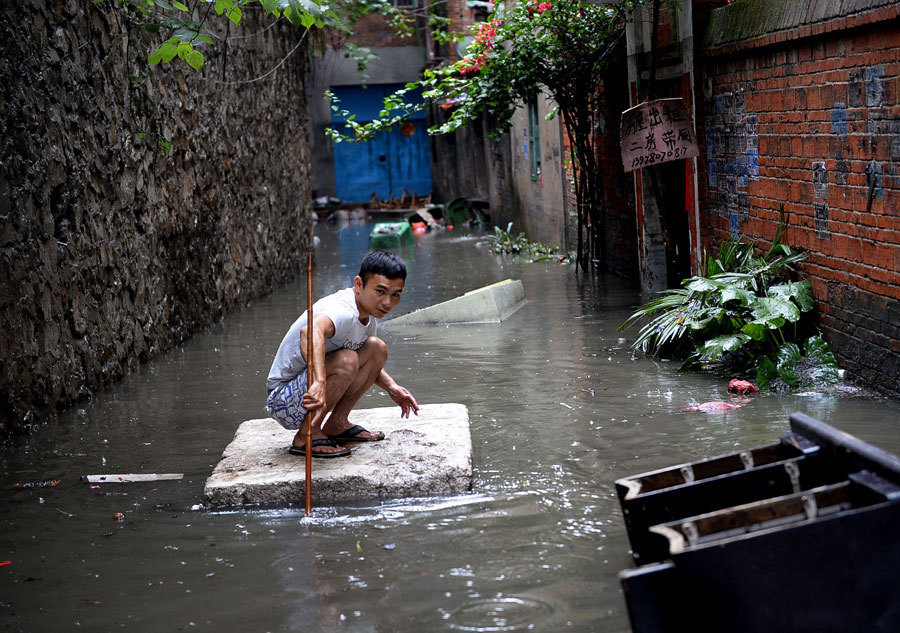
(507, 613)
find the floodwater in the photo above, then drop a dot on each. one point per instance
(559, 409)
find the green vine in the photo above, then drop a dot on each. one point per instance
(188, 27)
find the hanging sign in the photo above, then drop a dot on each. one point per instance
(656, 132)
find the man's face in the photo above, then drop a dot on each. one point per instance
(378, 296)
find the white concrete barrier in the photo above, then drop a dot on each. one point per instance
(428, 454)
(490, 304)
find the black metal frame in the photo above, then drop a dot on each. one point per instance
(802, 535)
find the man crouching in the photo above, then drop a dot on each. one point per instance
(347, 359)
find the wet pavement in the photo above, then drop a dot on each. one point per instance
(559, 407)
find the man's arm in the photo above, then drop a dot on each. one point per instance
(323, 328)
(398, 394)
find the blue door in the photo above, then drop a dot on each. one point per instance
(392, 161)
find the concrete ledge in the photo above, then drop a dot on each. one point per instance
(490, 304)
(429, 454)
(753, 23)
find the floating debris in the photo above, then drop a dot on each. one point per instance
(39, 484)
(118, 516)
(714, 407)
(742, 386)
(129, 478)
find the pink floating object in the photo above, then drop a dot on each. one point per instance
(742, 386)
(714, 407)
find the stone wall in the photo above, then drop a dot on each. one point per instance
(114, 248)
(801, 110)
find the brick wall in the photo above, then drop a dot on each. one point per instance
(807, 115)
(375, 30)
(461, 19)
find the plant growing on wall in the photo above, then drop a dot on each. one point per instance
(561, 49)
(190, 26)
(743, 314)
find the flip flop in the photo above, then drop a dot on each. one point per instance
(352, 435)
(301, 450)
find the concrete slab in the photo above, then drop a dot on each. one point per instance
(490, 304)
(429, 454)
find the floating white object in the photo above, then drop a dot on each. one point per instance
(490, 304)
(129, 478)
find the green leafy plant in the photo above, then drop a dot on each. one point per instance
(745, 314)
(190, 25)
(503, 242)
(793, 369)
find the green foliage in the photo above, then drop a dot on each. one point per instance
(504, 243)
(793, 369)
(743, 313)
(187, 33)
(440, 28)
(188, 28)
(363, 57)
(524, 49)
(395, 110)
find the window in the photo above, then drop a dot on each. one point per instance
(534, 139)
(405, 4)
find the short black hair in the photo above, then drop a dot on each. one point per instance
(382, 263)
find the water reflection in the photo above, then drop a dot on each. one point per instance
(559, 409)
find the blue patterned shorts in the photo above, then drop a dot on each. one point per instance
(285, 404)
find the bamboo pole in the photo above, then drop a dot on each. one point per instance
(310, 364)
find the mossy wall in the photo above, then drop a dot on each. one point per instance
(113, 249)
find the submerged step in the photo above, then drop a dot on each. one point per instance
(490, 304)
(428, 454)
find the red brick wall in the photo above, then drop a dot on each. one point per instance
(375, 30)
(461, 19)
(820, 105)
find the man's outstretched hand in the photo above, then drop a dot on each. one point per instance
(405, 399)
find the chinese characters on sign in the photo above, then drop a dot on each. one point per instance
(656, 132)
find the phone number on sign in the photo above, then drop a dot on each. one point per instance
(658, 157)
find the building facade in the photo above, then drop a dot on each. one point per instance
(395, 163)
